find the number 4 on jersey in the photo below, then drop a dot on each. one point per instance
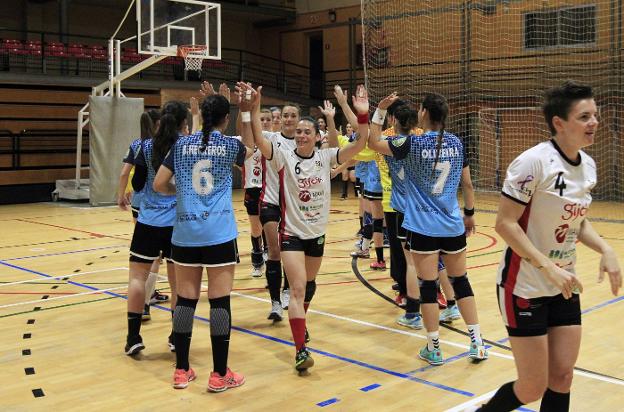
(560, 183)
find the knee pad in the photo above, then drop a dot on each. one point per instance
(377, 225)
(310, 290)
(428, 290)
(461, 286)
(367, 231)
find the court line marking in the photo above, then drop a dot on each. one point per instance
(62, 276)
(92, 292)
(66, 253)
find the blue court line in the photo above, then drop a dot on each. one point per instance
(64, 253)
(327, 402)
(275, 339)
(370, 387)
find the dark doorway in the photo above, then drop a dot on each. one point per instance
(316, 66)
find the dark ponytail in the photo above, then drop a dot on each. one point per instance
(214, 109)
(407, 118)
(171, 120)
(437, 107)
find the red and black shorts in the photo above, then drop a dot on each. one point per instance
(310, 247)
(222, 254)
(533, 317)
(252, 201)
(269, 213)
(150, 243)
(417, 243)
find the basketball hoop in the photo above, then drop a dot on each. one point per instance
(193, 55)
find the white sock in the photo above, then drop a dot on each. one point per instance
(475, 334)
(150, 286)
(433, 340)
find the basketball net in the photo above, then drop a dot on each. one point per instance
(193, 55)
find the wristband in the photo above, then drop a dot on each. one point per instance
(246, 117)
(468, 212)
(379, 116)
(362, 118)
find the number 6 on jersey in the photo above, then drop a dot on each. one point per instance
(202, 178)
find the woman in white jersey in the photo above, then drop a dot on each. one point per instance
(541, 216)
(204, 235)
(305, 175)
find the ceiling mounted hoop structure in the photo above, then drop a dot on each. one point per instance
(193, 55)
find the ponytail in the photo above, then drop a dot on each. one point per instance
(171, 121)
(438, 148)
(437, 108)
(214, 109)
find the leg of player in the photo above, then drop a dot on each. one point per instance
(188, 284)
(171, 277)
(138, 274)
(451, 312)
(412, 317)
(257, 260)
(220, 280)
(456, 267)
(274, 270)
(345, 184)
(377, 213)
(150, 287)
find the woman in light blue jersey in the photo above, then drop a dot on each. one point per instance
(204, 234)
(434, 163)
(151, 239)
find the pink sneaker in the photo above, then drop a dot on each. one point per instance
(181, 378)
(401, 300)
(378, 265)
(218, 383)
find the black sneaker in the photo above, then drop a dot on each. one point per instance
(395, 287)
(303, 360)
(307, 336)
(132, 349)
(146, 313)
(158, 297)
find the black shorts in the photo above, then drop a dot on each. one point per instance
(252, 200)
(135, 212)
(372, 195)
(417, 243)
(351, 168)
(222, 254)
(150, 243)
(310, 247)
(533, 317)
(401, 231)
(269, 213)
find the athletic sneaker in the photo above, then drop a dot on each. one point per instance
(450, 314)
(132, 349)
(181, 378)
(285, 298)
(441, 300)
(478, 352)
(276, 311)
(360, 253)
(378, 265)
(415, 322)
(256, 272)
(158, 297)
(307, 336)
(386, 241)
(170, 343)
(434, 357)
(401, 300)
(218, 383)
(146, 313)
(396, 287)
(265, 254)
(303, 360)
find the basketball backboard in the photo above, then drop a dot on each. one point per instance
(163, 25)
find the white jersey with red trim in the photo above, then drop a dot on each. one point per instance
(270, 180)
(556, 193)
(306, 190)
(252, 170)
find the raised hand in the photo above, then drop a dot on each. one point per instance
(360, 100)
(194, 106)
(388, 100)
(224, 91)
(340, 96)
(328, 110)
(207, 89)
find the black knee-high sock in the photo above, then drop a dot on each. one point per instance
(504, 400)
(380, 253)
(134, 327)
(264, 242)
(345, 187)
(555, 401)
(361, 222)
(255, 244)
(220, 327)
(413, 306)
(286, 284)
(183, 330)
(274, 278)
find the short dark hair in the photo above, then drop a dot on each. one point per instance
(396, 104)
(559, 100)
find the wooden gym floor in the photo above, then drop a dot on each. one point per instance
(63, 277)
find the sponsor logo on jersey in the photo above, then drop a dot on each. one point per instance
(257, 171)
(572, 211)
(522, 185)
(309, 181)
(398, 142)
(320, 240)
(304, 196)
(523, 303)
(561, 232)
(562, 254)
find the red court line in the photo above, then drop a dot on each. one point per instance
(493, 242)
(94, 234)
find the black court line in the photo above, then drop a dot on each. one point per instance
(55, 286)
(30, 321)
(38, 393)
(27, 335)
(72, 239)
(59, 306)
(26, 352)
(29, 371)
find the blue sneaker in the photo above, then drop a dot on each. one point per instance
(414, 322)
(433, 357)
(478, 352)
(448, 315)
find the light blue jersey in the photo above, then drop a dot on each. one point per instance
(372, 182)
(431, 207)
(155, 209)
(397, 174)
(361, 170)
(130, 158)
(204, 215)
